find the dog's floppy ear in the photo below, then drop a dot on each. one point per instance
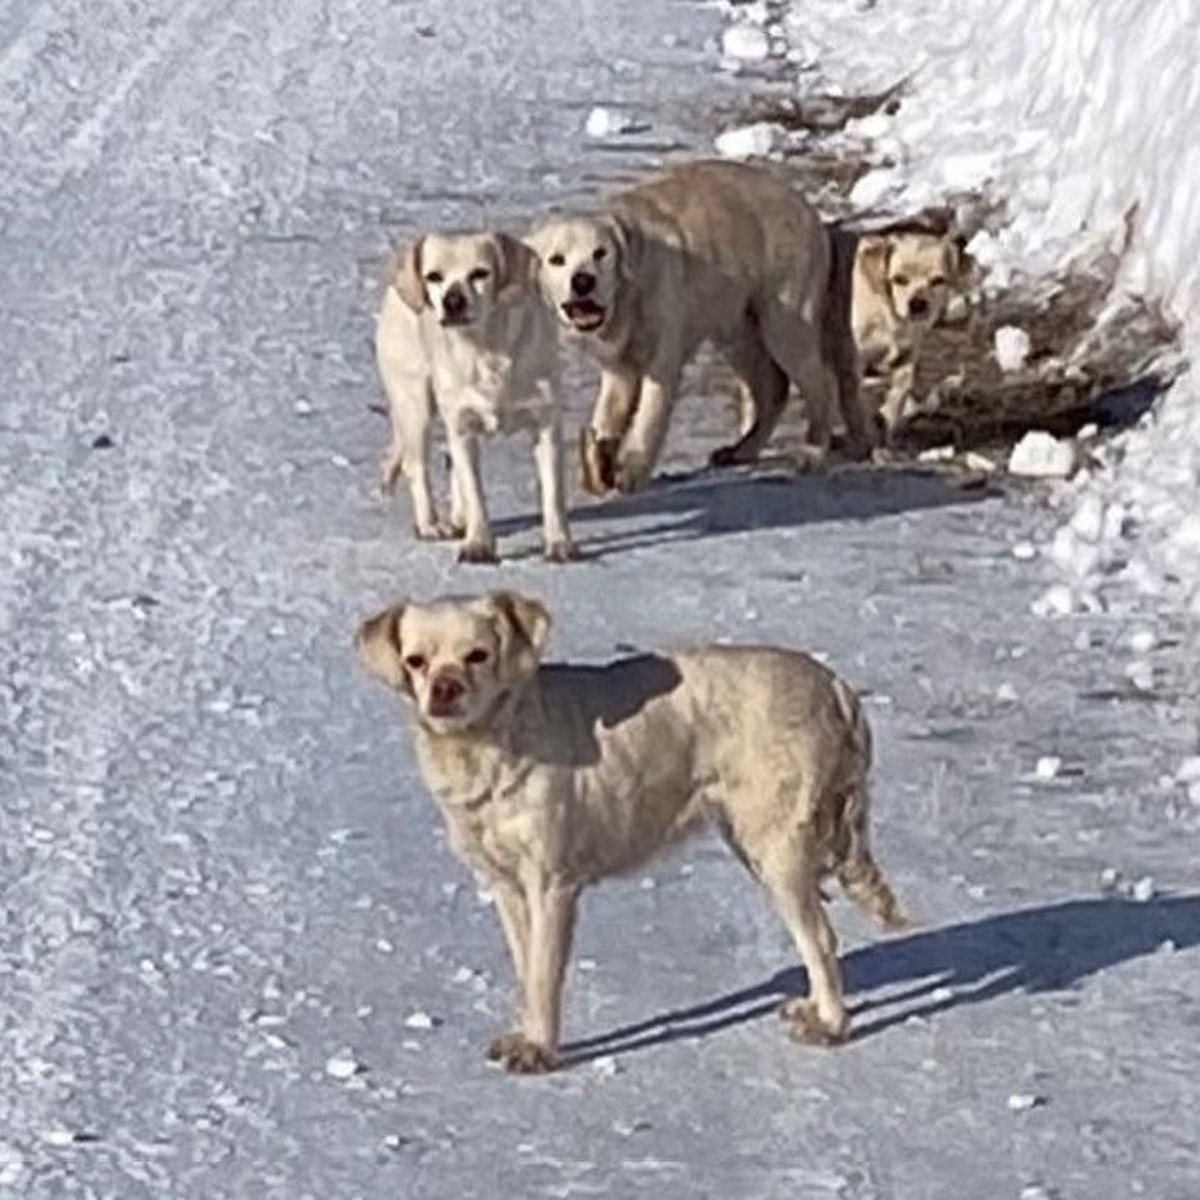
(378, 644)
(523, 626)
(628, 241)
(406, 278)
(873, 253)
(516, 266)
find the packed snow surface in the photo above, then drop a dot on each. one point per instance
(237, 960)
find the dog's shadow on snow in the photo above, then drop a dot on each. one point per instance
(709, 502)
(1053, 948)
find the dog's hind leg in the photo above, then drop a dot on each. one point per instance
(762, 393)
(797, 345)
(790, 869)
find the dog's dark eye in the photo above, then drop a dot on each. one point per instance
(937, 280)
(599, 253)
(556, 260)
(900, 280)
(434, 277)
(415, 662)
(477, 657)
(479, 274)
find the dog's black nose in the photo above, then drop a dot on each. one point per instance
(583, 283)
(454, 302)
(445, 689)
(918, 306)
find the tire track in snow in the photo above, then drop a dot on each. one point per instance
(45, 135)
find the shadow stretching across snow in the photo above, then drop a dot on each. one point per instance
(1050, 948)
(709, 503)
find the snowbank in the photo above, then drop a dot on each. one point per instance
(1074, 112)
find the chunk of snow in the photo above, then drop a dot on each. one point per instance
(1056, 601)
(1024, 1101)
(1048, 767)
(342, 1065)
(746, 42)
(1189, 769)
(1011, 346)
(749, 141)
(603, 122)
(1141, 675)
(421, 1020)
(1024, 551)
(1142, 641)
(1041, 455)
(1143, 890)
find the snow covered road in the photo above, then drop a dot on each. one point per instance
(218, 870)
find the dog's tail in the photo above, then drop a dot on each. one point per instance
(856, 868)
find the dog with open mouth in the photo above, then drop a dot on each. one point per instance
(711, 251)
(464, 330)
(903, 281)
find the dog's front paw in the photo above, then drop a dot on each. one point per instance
(804, 1024)
(478, 552)
(633, 472)
(597, 462)
(561, 550)
(436, 531)
(516, 1053)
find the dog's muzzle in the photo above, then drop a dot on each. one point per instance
(455, 307)
(445, 691)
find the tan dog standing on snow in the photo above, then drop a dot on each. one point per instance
(553, 777)
(464, 330)
(707, 251)
(902, 283)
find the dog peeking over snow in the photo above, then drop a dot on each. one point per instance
(551, 777)
(902, 283)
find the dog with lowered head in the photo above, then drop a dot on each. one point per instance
(551, 777)
(463, 329)
(707, 251)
